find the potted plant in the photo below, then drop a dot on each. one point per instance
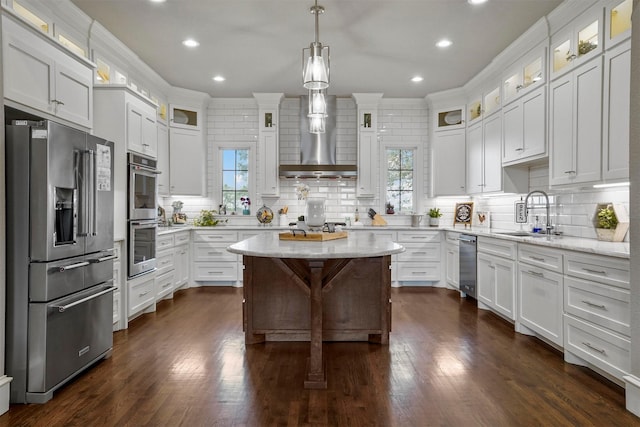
(434, 217)
(246, 202)
(611, 222)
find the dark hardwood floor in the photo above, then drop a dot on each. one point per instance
(448, 364)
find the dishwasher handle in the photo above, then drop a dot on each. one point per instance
(467, 238)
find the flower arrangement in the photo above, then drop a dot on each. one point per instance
(246, 202)
(177, 205)
(302, 191)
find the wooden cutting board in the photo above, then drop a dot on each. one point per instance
(314, 237)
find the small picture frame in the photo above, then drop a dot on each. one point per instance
(463, 213)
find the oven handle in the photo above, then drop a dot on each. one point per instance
(103, 259)
(145, 224)
(138, 168)
(64, 268)
(62, 308)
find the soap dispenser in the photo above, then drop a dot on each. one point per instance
(537, 227)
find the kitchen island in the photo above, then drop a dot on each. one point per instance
(336, 290)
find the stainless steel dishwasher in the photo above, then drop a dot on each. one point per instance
(468, 261)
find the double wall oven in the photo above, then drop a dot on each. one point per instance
(142, 210)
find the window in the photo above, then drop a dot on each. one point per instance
(235, 178)
(400, 178)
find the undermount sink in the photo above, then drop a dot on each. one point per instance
(521, 234)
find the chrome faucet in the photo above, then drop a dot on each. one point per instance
(546, 197)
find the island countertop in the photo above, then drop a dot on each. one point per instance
(356, 245)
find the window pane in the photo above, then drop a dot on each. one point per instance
(235, 178)
(393, 180)
(406, 203)
(406, 180)
(400, 176)
(242, 160)
(228, 159)
(242, 181)
(228, 180)
(394, 198)
(393, 159)
(407, 159)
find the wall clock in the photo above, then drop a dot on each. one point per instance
(463, 213)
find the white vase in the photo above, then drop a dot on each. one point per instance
(284, 220)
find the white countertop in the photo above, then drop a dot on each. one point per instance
(356, 245)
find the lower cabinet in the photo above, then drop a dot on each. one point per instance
(141, 294)
(420, 262)
(496, 280)
(211, 260)
(540, 293)
(452, 260)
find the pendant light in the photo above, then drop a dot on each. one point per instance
(315, 58)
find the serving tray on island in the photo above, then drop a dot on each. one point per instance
(313, 236)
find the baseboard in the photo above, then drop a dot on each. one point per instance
(632, 392)
(5, 383)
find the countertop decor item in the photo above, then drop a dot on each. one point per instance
(264, 215)
(611, 222)
(434, 217)
(207, 219)
(246, 202)
(463, 213)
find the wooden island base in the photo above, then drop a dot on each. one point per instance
(316, 300)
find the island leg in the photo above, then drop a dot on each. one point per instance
(316, 375)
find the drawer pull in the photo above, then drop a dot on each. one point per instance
(214, 253)
(215, 272)
(591, 304)
(418, 272)
(143, 293)
(599, 350)
(419, 253)
(535, 258)
(536, 273)
(588, 270)
(215, 237)
(166, 285)
(419, 237)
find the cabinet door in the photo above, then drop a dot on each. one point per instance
(617, 78)
(163, 160)
(475, 162)
(28, 75)
(588, 121)
(452, 266)
(150, 134)
(486, 280)
(448, 164)
(540, 304)
(181, 265)
(269, 184)
(534, 128)
(135, 118)
(367, 163)
(561, 168)
(492, 168)
(187, 172)
(513, 125)
(74, 89)
(505, 287)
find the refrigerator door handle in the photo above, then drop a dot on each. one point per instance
(93, 191)
(62, 308)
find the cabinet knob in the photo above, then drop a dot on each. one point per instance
(519, 149)
(57, 102)
(569, 172)
(519, 87)
(571, 57)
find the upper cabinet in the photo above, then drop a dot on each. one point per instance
(185, 117)
(524, 128)
(268, 143)
(142, 134)
(368, 147)
(618, 22)
(448, 170)
(578, 42)
(527, 74)
(449, 118)
(40, 76)
(492, 101)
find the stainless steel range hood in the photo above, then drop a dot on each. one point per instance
(318, 151)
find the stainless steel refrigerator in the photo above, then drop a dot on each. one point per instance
(59, 255)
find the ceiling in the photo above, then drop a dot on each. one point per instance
(376, 45)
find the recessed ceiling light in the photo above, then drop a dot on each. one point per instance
(157, 1)
(190, 43)
(219, 79)
(476, 1)
(444, 43)
(417, 79)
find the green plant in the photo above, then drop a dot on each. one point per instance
(435, 213)
(207, 219)
(607, 218)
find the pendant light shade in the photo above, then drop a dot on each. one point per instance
(316, 124)
(317, 104)
(315, 58)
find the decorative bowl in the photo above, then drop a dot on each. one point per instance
(264, 215)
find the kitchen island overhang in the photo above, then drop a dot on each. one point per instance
(336, 290)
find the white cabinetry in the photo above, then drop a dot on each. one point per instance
(39, 75)
(181, 259)
(448, 171)
(163, 159)
(141, 295)
(597, 313)
(165, 273)
(524, 128)
(617, 22)
(616, 104)
(187, 171)
(452, 260)
(526, 75)
(540, 289)
(211, 260)
(420, 262)
(368, 147)
(268, 143)
(497, 276)
(142, 133)
(575, 125)
(118, 280)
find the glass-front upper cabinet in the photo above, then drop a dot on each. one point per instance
(579, 41)
(450, 118)
(184, 117)
(474, 110)
(618, 22)
(526, 74)
(492, 101)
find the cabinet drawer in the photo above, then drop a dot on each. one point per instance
(603, 269)
(116, 307)
(385, 235)
(215, 271)
(498, 247)
(215, 236)
(418, 271)
(141, 294)
(211, 252)
(546, 258)
(242, 235)
(604, 305)
(164, 284)
(181, 238)
(452, 237)
(420, 252)
(540, 295)
(164, 242)
(419, 236)
(603, 349)
(117, 273)
(164, 261)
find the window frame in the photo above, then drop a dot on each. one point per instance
(418, 173)
(252, 159)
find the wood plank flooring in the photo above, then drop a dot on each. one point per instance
(448, 364)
